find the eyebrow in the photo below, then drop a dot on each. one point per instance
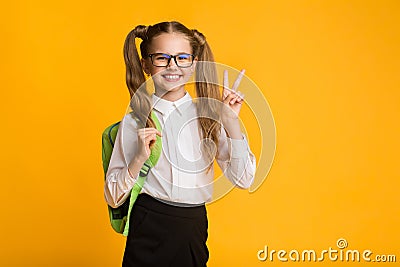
(170, 54)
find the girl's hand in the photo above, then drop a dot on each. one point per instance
(145, 137)
(231, 98)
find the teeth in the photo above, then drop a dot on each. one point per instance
(171, 77)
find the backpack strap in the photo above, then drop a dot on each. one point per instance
(150, 163)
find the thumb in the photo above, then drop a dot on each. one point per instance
(228, 98)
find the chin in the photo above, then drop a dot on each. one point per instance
(172, 87)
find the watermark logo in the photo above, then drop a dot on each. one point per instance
(341, 243)
(338, 253)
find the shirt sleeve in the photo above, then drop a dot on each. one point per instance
(119, 183)
(236, 160)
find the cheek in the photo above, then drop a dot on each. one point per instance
(187, 71)
(155, 70)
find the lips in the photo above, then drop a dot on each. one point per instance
(171, 77)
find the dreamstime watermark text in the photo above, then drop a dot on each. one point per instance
(338, 253)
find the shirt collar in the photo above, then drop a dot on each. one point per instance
(165, 106)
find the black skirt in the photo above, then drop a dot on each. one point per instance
(164, 235)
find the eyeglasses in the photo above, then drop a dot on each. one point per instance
(162, 60)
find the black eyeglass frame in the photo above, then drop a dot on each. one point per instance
(169, 59)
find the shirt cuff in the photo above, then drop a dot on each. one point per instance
(239, 147)
(130, 181)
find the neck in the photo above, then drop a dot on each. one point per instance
(170, 95)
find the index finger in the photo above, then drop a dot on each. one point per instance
(149, 130)
(226, 90)
(226, 82)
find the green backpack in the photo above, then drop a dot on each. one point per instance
(119, 217)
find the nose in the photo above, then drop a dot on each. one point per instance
(172, 63)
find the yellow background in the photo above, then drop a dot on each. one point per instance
(329, 70)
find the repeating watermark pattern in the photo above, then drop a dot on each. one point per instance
(260, 118)
(338, 253)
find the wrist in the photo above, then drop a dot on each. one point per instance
(227, 120)
(232, 129)
(234, 134)
(138, 161)
(134, 166)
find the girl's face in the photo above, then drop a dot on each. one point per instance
(169, 78)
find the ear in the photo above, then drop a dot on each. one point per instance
(145, 66)
(193, 67)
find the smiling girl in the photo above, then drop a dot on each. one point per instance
(169, 225)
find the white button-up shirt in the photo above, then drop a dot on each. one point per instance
(181, 173)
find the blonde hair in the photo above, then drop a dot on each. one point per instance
(206, 79)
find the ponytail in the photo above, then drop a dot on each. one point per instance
(207, 89)
(140, 103)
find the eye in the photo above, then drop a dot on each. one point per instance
(161, 57)
(184, 57)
